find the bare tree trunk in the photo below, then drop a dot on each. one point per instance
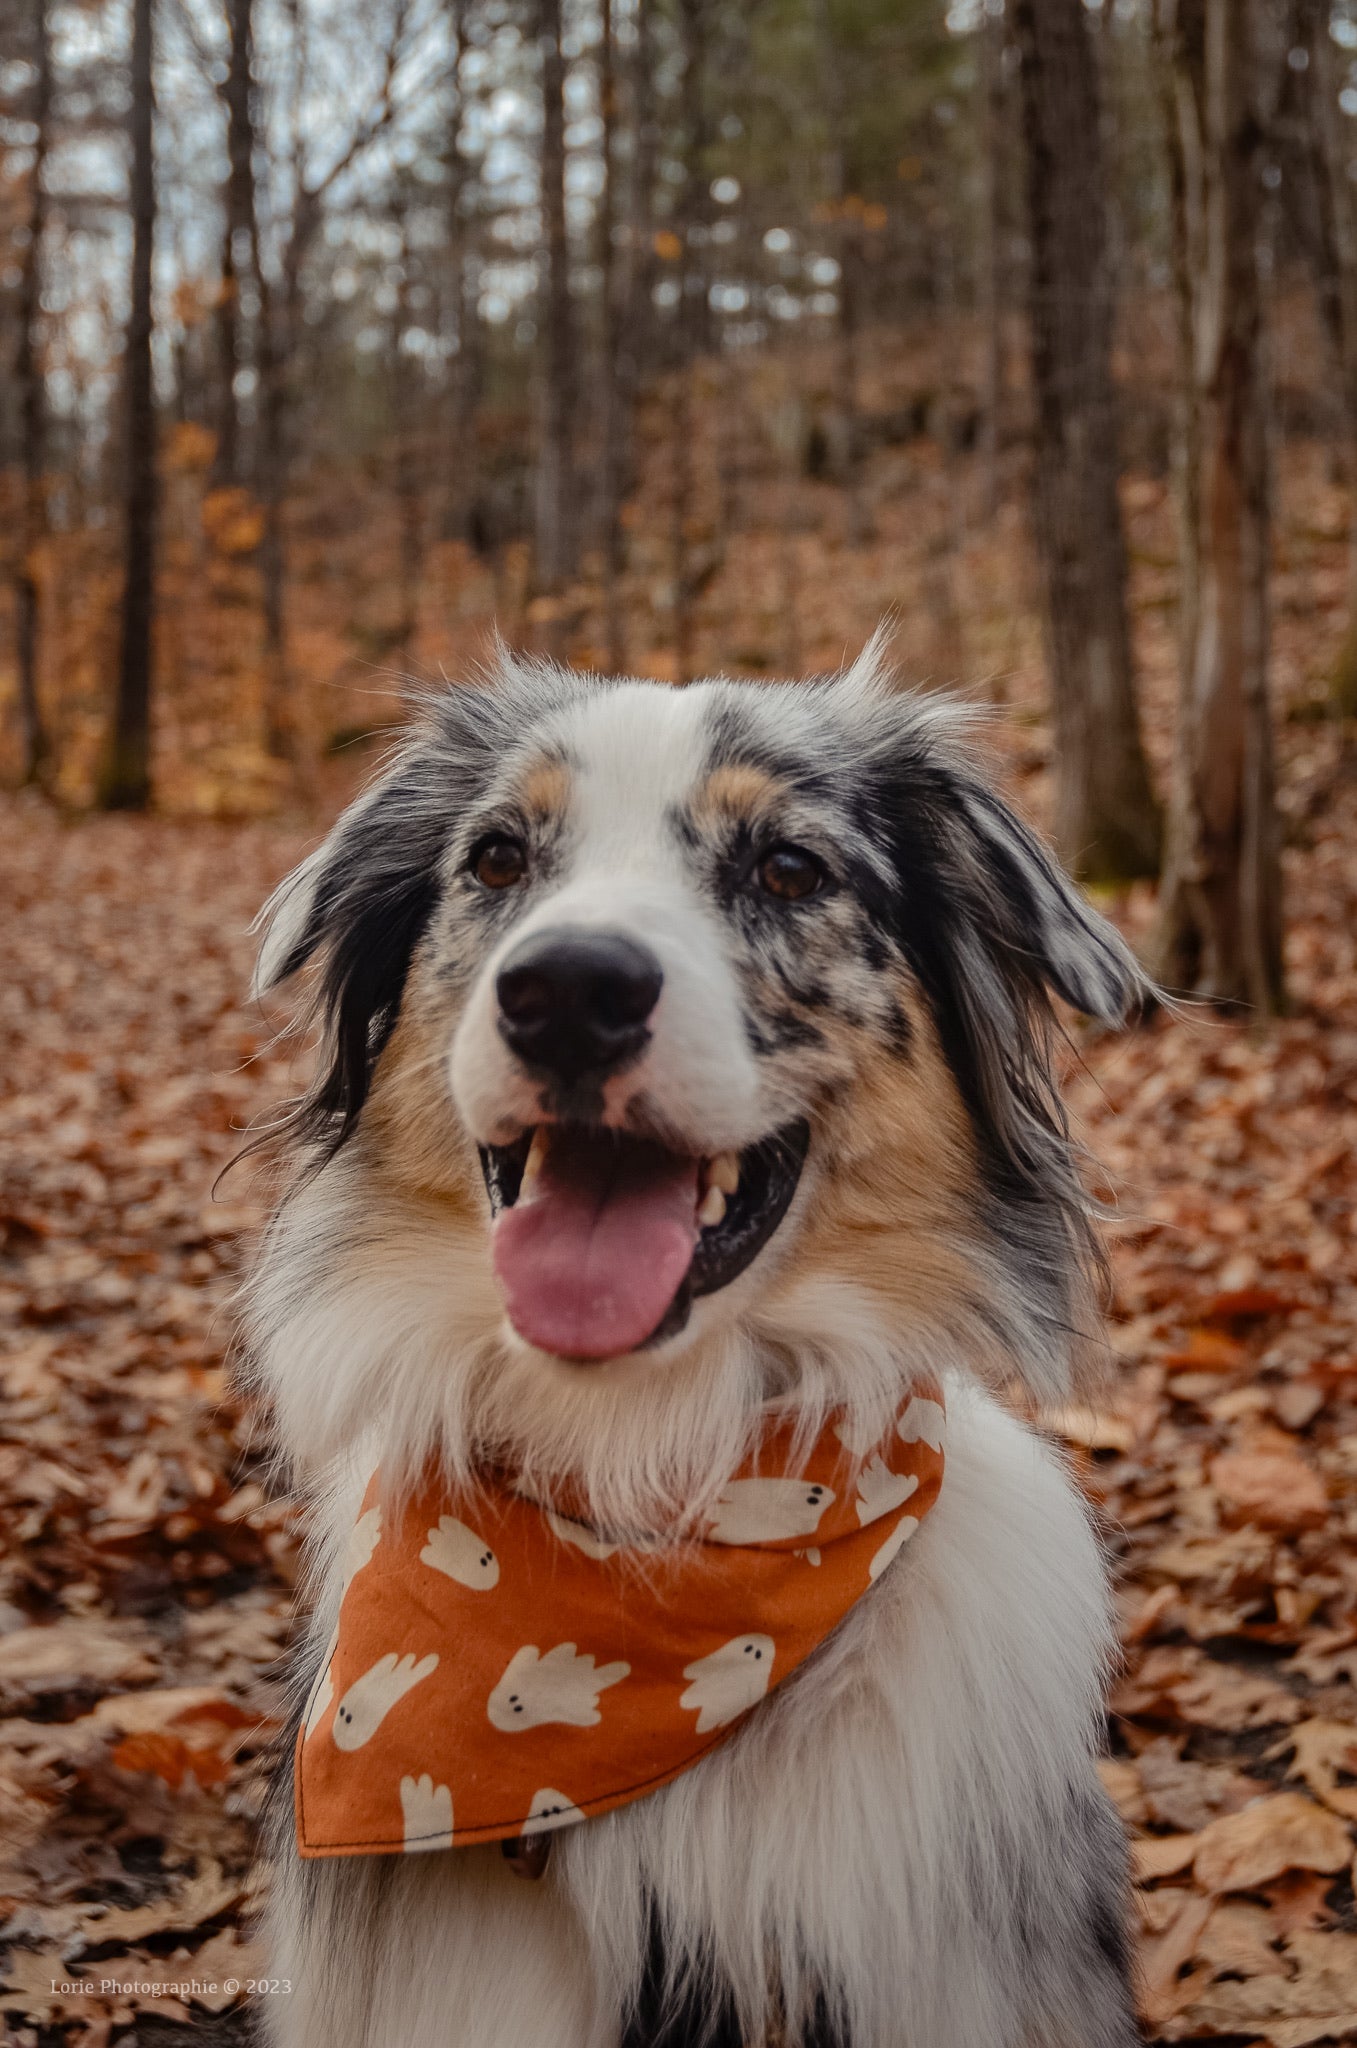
(277, 345)
(1106, 822)
(609, 438)
(680, 519)
(692, 324)
(555, 461)
(407, 451)
(236, 235)
(462, 381)
(1172, 19)
(847, 451)
(992, 281)
(1220, 931)
(127, 778)
(28, 375)
(1337, 210)
(273, 353)
(632, 328)
(635, 343)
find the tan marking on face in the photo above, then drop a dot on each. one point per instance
(545, 789)
(735, 792)
(409, 1121)
(888, 1216)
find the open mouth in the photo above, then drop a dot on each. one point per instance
(602, 1241)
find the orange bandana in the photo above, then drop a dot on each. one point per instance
(498, 1670)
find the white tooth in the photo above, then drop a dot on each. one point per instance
(532, 1165)
(724, 1172)
(712, 1208)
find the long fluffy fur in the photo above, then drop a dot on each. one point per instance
(912, 1822)
(907, 1844)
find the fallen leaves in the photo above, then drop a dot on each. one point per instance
(64, 1656)
(1243, 1851)
(1311, 1997)
(1183, 1684)
(1231, 1491)
(1269, 1491)
(1208, 1351)
(145, 1601)
(1156, 1856)
(1324, 1755)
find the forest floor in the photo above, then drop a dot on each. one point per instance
(145, 1597)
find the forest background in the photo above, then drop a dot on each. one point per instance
(672, 336)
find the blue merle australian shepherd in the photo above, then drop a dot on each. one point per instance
(782, 943)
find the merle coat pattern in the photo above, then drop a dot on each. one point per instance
(906, 1845)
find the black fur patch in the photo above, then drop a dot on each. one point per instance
(771, 1031)
(678, 2009)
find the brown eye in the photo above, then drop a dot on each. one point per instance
(499, 862)
(790, 873)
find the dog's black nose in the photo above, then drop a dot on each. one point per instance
(576, 1002)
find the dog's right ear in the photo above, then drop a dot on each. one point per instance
(358, 906)
(308, 905)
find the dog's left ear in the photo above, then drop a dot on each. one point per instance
(995, 931)
(1034, 918)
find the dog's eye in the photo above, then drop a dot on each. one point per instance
(498, 862)
(790, 873)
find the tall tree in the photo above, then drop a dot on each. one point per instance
(127, 776)
(31, 385)
(237, 232)
(610, 397)
(556, 534)
(408, 464)
(1106, 821)
(846, 203)
(1220, 931)
(297, 220)
(994, 117)
(630, 318)
(463, 375)
(693, 328)
(1323, 124)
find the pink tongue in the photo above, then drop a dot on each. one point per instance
(589, 1264)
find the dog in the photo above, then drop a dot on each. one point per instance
(781, 947)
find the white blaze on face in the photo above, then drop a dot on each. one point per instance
(550, 1810)
(461, 1554)
(768, 1510)
(728, 1682)
(896, 1541)
(560, 1686)
(880, 1490)
(923, 1422)
(369, 1699)
(427, 1812)
(637, 755)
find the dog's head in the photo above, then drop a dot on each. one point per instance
(708, 1011)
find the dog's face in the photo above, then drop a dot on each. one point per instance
(688, 994)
